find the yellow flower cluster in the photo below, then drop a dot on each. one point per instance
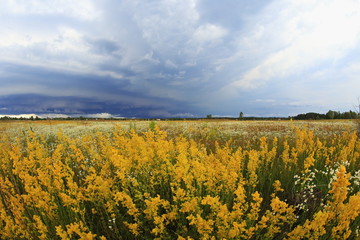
(336, 215)
(148, 185)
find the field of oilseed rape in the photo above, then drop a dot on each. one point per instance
(179, 180)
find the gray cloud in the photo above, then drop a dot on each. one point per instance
(104, 46)
(178, 58)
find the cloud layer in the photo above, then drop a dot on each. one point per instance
(178, 58)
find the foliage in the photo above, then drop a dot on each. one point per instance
(156, 184)
(329, 115)
(152, 125)
(241, 115)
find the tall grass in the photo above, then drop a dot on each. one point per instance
(201, 184)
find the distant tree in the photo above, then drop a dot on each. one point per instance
(310, 116)
(209, 116)
(353, 114)
(241, 115)
(330, 114)
(337, 115)
(347, 115)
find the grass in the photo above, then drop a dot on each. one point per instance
(179, 180)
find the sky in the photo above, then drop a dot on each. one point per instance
(178, 58)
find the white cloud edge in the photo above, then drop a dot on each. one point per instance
(55, 115)
(305, 37)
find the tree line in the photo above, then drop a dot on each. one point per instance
(303, 116)
(329, 115)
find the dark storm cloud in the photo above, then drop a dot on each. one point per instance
(71, 93)
(69, 105)
(57, 81)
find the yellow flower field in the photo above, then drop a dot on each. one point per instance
(179, 180)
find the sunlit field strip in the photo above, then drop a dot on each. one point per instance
(179, 180)
(226, 127)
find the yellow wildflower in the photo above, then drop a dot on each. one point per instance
(41, 227)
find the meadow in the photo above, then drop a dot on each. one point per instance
(212, 179)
